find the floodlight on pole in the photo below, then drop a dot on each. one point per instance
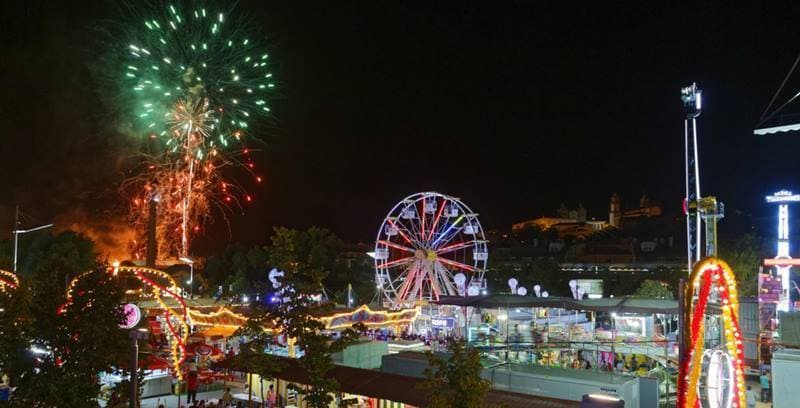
(18, 231)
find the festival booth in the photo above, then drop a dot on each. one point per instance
(192, 334)
(621, 336)
(212, 338)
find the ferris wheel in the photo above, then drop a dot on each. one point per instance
(429, 245)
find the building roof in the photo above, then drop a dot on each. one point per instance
(618, 305)
(403, 389)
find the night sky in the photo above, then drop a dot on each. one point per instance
(513, 107)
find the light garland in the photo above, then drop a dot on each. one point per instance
(177, 336)
(708, 274)
(207, 319)
(8, 280)
(402, 316)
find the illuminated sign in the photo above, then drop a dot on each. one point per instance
(782, 262)
(443, 322)
(132, 316)
(783, 196)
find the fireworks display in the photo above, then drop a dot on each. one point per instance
(196, 83)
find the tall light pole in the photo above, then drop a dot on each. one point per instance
(190, 262)
(18, 231)
(135, 336)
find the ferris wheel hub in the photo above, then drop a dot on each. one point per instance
(431, 255)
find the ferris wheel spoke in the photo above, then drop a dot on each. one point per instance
(419, 283)
(446, 237)
(448, 234)
(407, 278)
(434, 278)
(414, 228)
(422, 220)
(396, 246)
(436, 221)
(411, 283)
(396, 262)
(457, 264)
(400, 228)
(407, 232)
(455, 247)
(446, 278)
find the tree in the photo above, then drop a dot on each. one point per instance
(13, 321)
(744, 255)
(66, 342)
(237, 266)
(653, 289)
(251, 357)
(455, 381)
(307, 258)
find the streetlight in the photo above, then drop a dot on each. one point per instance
(135, 336)
(18, 231)
(190, 262)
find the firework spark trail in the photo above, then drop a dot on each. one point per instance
(197, 83)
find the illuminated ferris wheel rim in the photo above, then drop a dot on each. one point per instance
(443, 249)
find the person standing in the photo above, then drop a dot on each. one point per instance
(272, 397)
(750, 397)
(227, 398)
(191, 386)
(765, 391)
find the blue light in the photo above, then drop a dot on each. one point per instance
(444, 234)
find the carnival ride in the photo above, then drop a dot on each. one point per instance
(696, 207)
(161, 286)
(429, 245)
(783, 261)
(711, 370)
(711, 377)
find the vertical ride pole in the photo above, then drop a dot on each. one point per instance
(691, 97)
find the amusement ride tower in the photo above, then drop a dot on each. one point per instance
(783, 262)
(697, 208)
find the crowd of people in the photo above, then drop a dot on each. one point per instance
(432, 339)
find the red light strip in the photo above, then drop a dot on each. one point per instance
(7, 283)
(454, 247)
(10, 276)
(456, 264)
(422, 231)
(781, 262)
(397, 246)
(401, 232)
(436, 220)
(396, 262)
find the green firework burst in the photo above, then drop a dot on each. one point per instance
(191, 55)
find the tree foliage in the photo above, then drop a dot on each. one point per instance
(455, 381)
(307, 259)
(74, 339)
(653, 289)
(237, 269)
(744, 255)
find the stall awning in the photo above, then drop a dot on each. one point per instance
(218, 331)
(616, 305)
